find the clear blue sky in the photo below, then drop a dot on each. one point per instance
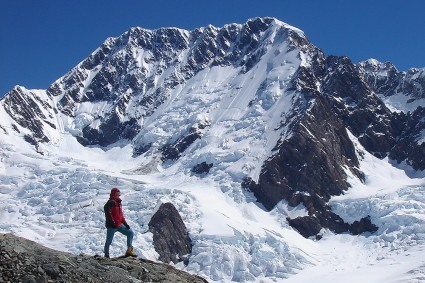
(41, 40)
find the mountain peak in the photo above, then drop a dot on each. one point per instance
(374, 64)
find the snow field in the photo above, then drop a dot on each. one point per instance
(58, 201)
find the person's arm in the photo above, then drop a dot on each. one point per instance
(113, 212)
(125, 223)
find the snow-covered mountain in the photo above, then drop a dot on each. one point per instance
(402, 91)
(263, 143)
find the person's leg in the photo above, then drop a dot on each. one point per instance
(109, 237)
(129, 233)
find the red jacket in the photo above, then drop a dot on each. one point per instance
(113, 212)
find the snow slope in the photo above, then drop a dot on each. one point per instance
(57, 200)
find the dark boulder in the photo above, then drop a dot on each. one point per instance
(363, 225)
(307, 226)
(202, 168)
(320, 215)
(170, 236)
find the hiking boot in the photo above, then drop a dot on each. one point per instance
(107, 255)
(130, 252)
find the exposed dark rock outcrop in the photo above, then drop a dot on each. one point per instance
(109, 132)
(385, 80)
(363, 225)
(311, 165)
(25, 261)
(24, 106)
(358, 107)
(173, 150)
(170, 236)
(202, 168)
(409, 147)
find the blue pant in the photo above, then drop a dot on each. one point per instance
(110, 232)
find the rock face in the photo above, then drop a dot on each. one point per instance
(405, 93)
(31, 113)
(311, 165)
(25, 261)
(170, 237)
(410, 146)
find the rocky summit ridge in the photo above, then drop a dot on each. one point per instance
(27, 262)
(275, 104)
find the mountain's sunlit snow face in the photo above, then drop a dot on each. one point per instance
(54, 192)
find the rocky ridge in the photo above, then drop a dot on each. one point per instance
(25, 261)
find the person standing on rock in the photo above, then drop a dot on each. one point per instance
(115, 221)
